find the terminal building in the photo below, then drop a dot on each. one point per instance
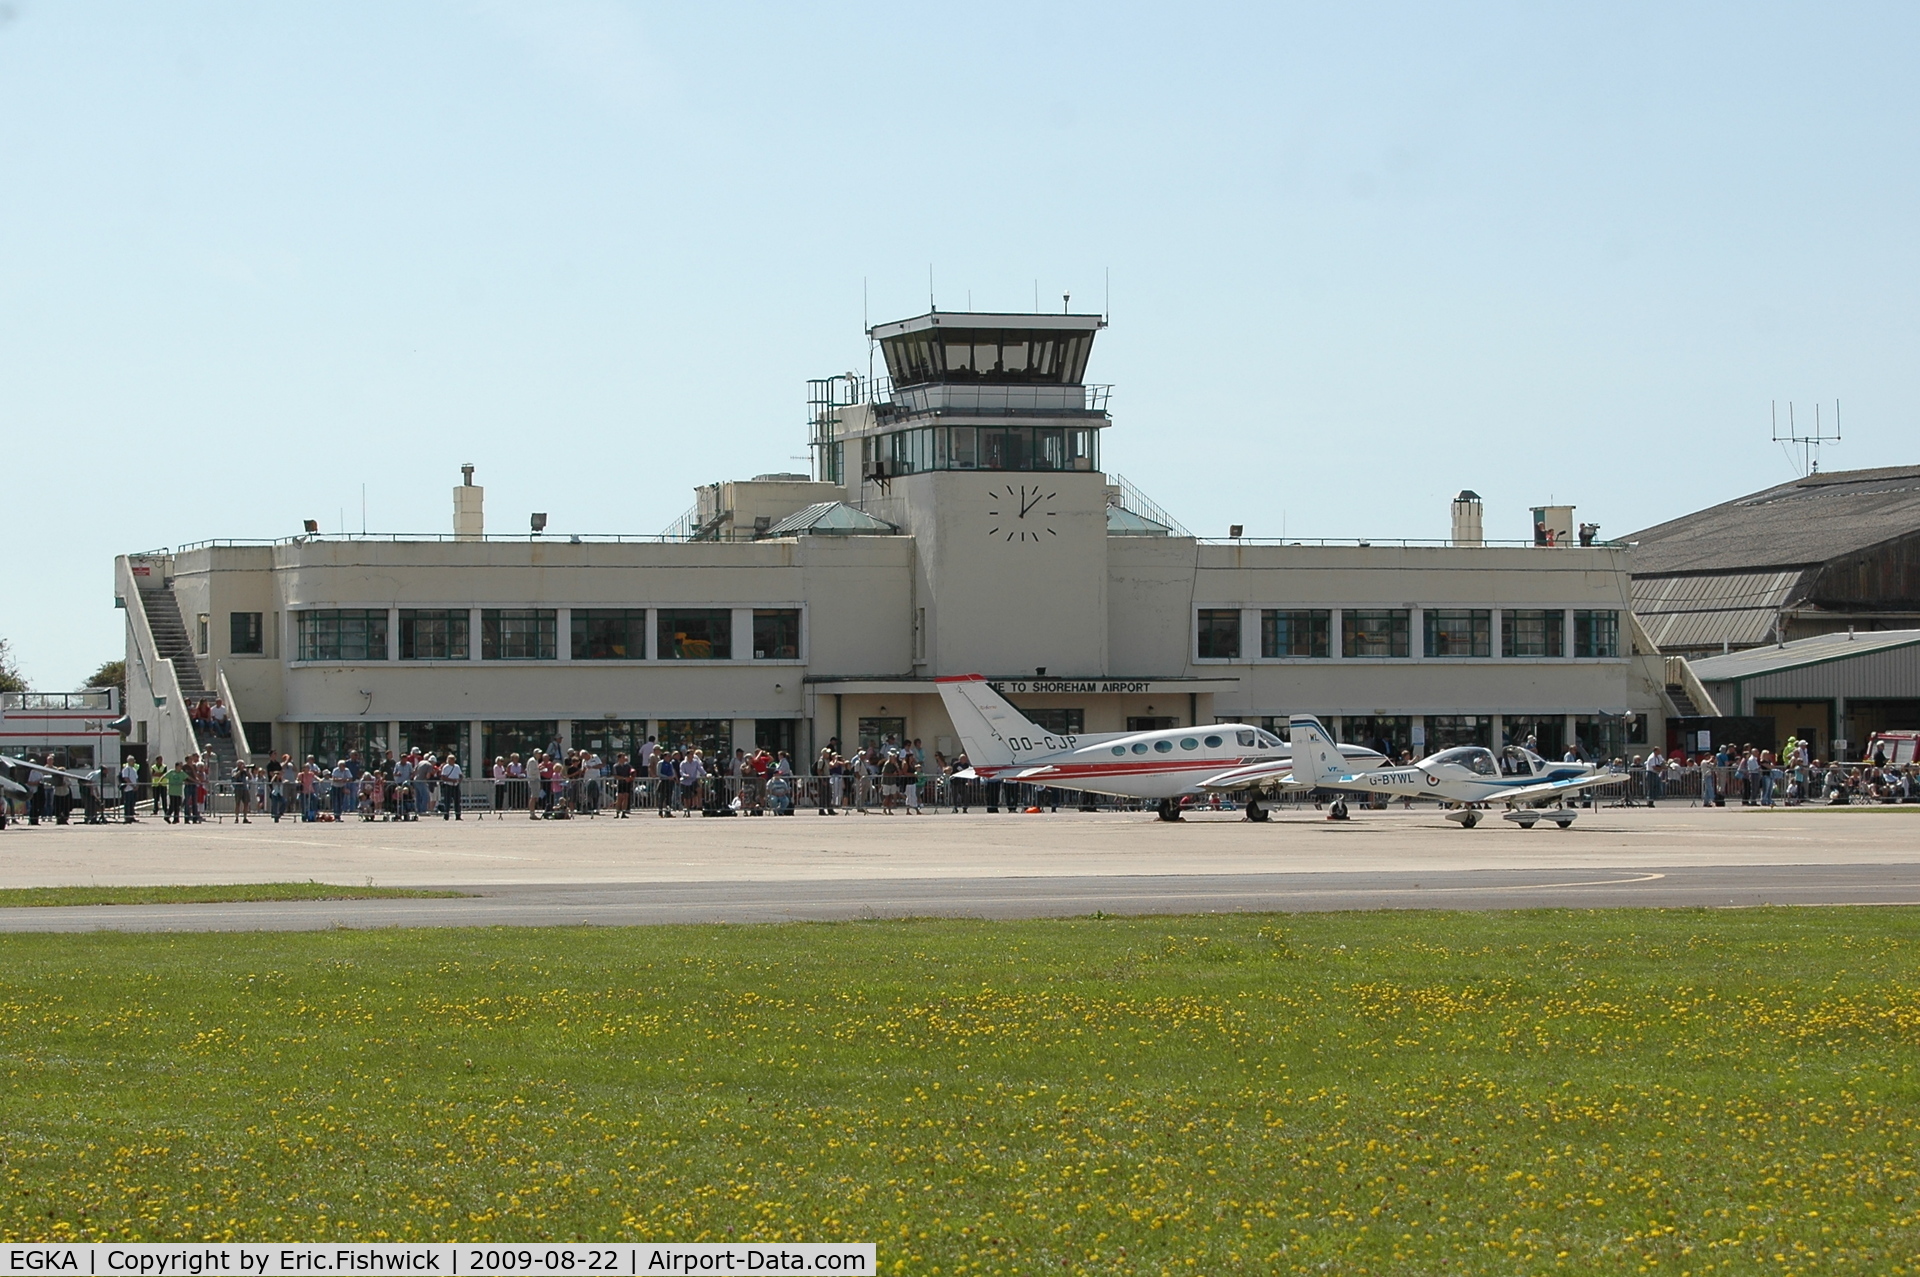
(957, 519)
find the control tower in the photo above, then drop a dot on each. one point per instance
(983, 442)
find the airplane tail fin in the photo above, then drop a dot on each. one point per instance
(1316, 758)
(983, 720)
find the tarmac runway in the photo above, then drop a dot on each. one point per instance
(647, 904)
(649, 871)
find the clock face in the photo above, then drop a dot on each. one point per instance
(1022, 513)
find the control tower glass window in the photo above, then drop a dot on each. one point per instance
(1007, 355)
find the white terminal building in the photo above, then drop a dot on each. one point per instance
(957, 521)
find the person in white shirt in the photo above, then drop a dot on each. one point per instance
(129, 789)
(450, 789)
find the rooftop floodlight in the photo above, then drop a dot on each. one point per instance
(1236, 530)
(311, 525)
(538, 523)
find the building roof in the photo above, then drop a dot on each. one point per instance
(1799, 524)
(1122, 522)
(830, 518)
(1740, 608)
(970, 320)
(1818, 650)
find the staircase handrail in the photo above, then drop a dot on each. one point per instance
(234, 725)
(1680, 673)
(163, 681)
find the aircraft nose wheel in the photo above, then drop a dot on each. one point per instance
(1255, 811)
(1169, 810)
(1339, 810)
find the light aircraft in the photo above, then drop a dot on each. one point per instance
(1164, 765)
(1466, 774)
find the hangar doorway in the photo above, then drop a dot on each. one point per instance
(1809, 720)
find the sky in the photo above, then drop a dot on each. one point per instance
(256, 259)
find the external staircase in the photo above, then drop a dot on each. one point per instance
(175, 646)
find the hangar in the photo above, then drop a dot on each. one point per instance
(1817, 555)
(1830, 687)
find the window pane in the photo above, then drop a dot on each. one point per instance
(1302, 633)
(696, 634)
(1219, 633)
(1596, 633)
(519, 634)
(1003, 449)
(609, 634)
(1525, 632)
(776, 634)
(1376, 632)
(439, 634)
(1459, 632)
(713, 737)
(244, 636)
(1059, 722)
(341, 634)
(1049, 449)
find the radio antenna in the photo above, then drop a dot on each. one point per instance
(1808, 442)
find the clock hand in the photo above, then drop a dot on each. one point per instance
(1026, 505)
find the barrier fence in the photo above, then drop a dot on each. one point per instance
(729, 795)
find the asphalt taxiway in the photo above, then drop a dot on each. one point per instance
(647, 871)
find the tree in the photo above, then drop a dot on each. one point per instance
(111, 674)
(11, 679)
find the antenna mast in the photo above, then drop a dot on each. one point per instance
(1807, 442)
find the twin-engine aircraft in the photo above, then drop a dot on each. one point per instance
(1466, 774)
(1163, 765)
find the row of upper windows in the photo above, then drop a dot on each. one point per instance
(1309, 632)
(529, 634)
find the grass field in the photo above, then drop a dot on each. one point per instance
(14, 897)
(1615, 1092)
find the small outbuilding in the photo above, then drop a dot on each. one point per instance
(1833, 687)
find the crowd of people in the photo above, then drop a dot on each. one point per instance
(887, 777)
(552, 784)
(1762, 778)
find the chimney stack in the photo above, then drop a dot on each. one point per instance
(1466, 518)
(469, 521)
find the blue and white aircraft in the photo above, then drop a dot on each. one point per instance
(1467, 774)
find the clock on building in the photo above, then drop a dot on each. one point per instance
(1022, 513)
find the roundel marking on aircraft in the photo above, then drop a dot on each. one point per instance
(1432, 779)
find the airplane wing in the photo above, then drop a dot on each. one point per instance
(48, 768)
(1278, 772)
(12, 786)
(1553, 788)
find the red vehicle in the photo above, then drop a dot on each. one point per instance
(1900, 747)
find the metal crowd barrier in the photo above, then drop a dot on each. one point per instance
(727, 795)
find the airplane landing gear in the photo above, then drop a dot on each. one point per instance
(1339, 810)
(1254, 810)
(1465, 817)
(1169, 809)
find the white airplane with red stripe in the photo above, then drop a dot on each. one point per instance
(1162, 765)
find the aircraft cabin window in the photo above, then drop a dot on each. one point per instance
(1474, 758)
(1119, 750)
(1214, 742)
(1245, 738)
(1267, 739)
(1140, 748)
(1163, 746)
(1189, 743)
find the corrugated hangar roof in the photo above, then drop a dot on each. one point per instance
(1802, 523)
(1806, 651)
(1705, 611)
